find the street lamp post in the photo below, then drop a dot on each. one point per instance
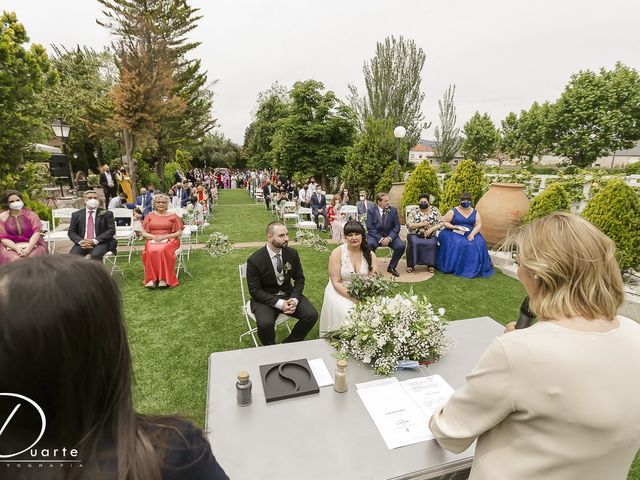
(61, 130)
(399, 132)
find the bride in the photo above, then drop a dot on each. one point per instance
(350, 257)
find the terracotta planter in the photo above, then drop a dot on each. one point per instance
(502, 209)
(395, 197)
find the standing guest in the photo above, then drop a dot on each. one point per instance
(162, 231)
(69, 354)
(463, 250)
(227, 180)
(125, 184)
(558, 400)
(313, 186)
(276, 281)
(92, 229)
(267, 191)
(108, 183)
(331, 210)
(363, 205)
(181, 193)
(144, 201)
(383, 230)
(319, 208)
(81, 180)
(19, 230)
(423, 225)
(174, 201)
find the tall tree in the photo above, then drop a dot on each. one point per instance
(527, 135)
(392, 79)
(24, 74)
(314, 137)
(214, 150)
(481, 138)
(273, 106)
(448, 138)
(597, 114)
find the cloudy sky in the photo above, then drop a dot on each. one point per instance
(502, 55)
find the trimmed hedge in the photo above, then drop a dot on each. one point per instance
(388, 177)
(552, 199)
(422, 180)
(467, 177)
(616, 211)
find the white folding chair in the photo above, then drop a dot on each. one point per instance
(249, 317)
(350, 212)
(54, 235)
(125, 236)
(182, 255)
(289, 212)
(185, 240)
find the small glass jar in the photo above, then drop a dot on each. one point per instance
(243, 389)
(341, 383)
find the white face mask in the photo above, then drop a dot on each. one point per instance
(92, 203)
(17, 205)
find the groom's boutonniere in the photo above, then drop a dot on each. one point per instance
(287, 267)
(102, 212)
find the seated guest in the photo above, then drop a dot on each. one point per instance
(463, 250)
(383, 230)
(174, 201)
(560, 399)
(162, 231)
(304, 196)
(319, 207)
(363, 205)
(92, 229)
(64, 346)
(197, 210)
(345, 198)
(119, 201)
(424, 224)
(144, 201)
(19, 230)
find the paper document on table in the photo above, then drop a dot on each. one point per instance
(398, 418)
(320, 372)
(428, 393)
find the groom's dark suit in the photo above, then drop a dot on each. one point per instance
(265, 294)
(105, 230)
(385, 225)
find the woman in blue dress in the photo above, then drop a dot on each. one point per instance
(463, 250)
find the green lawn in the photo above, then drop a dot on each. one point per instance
(173, 332)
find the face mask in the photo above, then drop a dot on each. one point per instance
(361, 198)
(424, 205)
(17, 205)
(465, 203)
(92, 203)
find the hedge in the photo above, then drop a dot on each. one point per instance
(467, 177)
(552, 199)
(422, 180)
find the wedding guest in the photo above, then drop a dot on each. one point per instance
(463, 250)
(345, 198)
(144, 201)
(363, 205)
(304, 196)
(125, 184)
(92, 229)
(108, 184)
(182, 194)
(423, 225)
(276, 281)
(162, 231)
(558, 400)
(20, 230)
(319, 208)
(353, 256)
(383, 230)
(70, 355)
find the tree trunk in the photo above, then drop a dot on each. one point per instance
(129, 146)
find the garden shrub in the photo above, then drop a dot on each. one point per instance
(422, 180)
(467, 177)
(388, 177)
(633, 169)
(615, 210)
(551, 200)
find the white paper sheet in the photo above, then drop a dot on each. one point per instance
(428, 393)
(320, 372)
(398, 418)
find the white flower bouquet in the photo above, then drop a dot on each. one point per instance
(310, 238)
(218, 245)
(381, 331)
(362, 286)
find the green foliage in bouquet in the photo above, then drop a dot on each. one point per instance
(422, 180)
(616, 211)
(467, 177)
(218, 245)
(382, 330)
(552, 199)
(310, 238)
(362, 286)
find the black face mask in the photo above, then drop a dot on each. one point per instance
(424, 205)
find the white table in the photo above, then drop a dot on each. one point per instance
(328, 435)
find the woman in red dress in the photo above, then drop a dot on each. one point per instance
(162, 231)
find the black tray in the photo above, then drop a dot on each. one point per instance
(288, 380)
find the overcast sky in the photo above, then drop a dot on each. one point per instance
(502, 55)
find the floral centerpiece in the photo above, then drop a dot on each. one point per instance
(218, 245)
(309, 238)
(381, 331)
(362, 286)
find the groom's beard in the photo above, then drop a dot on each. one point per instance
(280, 245)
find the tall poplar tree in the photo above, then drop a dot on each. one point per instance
(448, 139)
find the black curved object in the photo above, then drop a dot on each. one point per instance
(288, 379)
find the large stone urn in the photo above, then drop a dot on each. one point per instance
(502, 209)
(395, 197)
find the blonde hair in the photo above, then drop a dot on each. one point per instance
(162, 196)
(574, 266)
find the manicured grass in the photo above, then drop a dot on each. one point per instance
(172, 332)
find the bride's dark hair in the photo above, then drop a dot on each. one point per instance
(352, 226)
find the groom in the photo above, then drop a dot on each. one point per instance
(276, 281)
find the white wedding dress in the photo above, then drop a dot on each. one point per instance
(335, 307)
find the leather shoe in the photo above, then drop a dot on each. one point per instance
(393, 272)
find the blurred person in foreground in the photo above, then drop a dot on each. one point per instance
(559, 400)
(69, 354)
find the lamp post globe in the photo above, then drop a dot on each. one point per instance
(398, 132)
